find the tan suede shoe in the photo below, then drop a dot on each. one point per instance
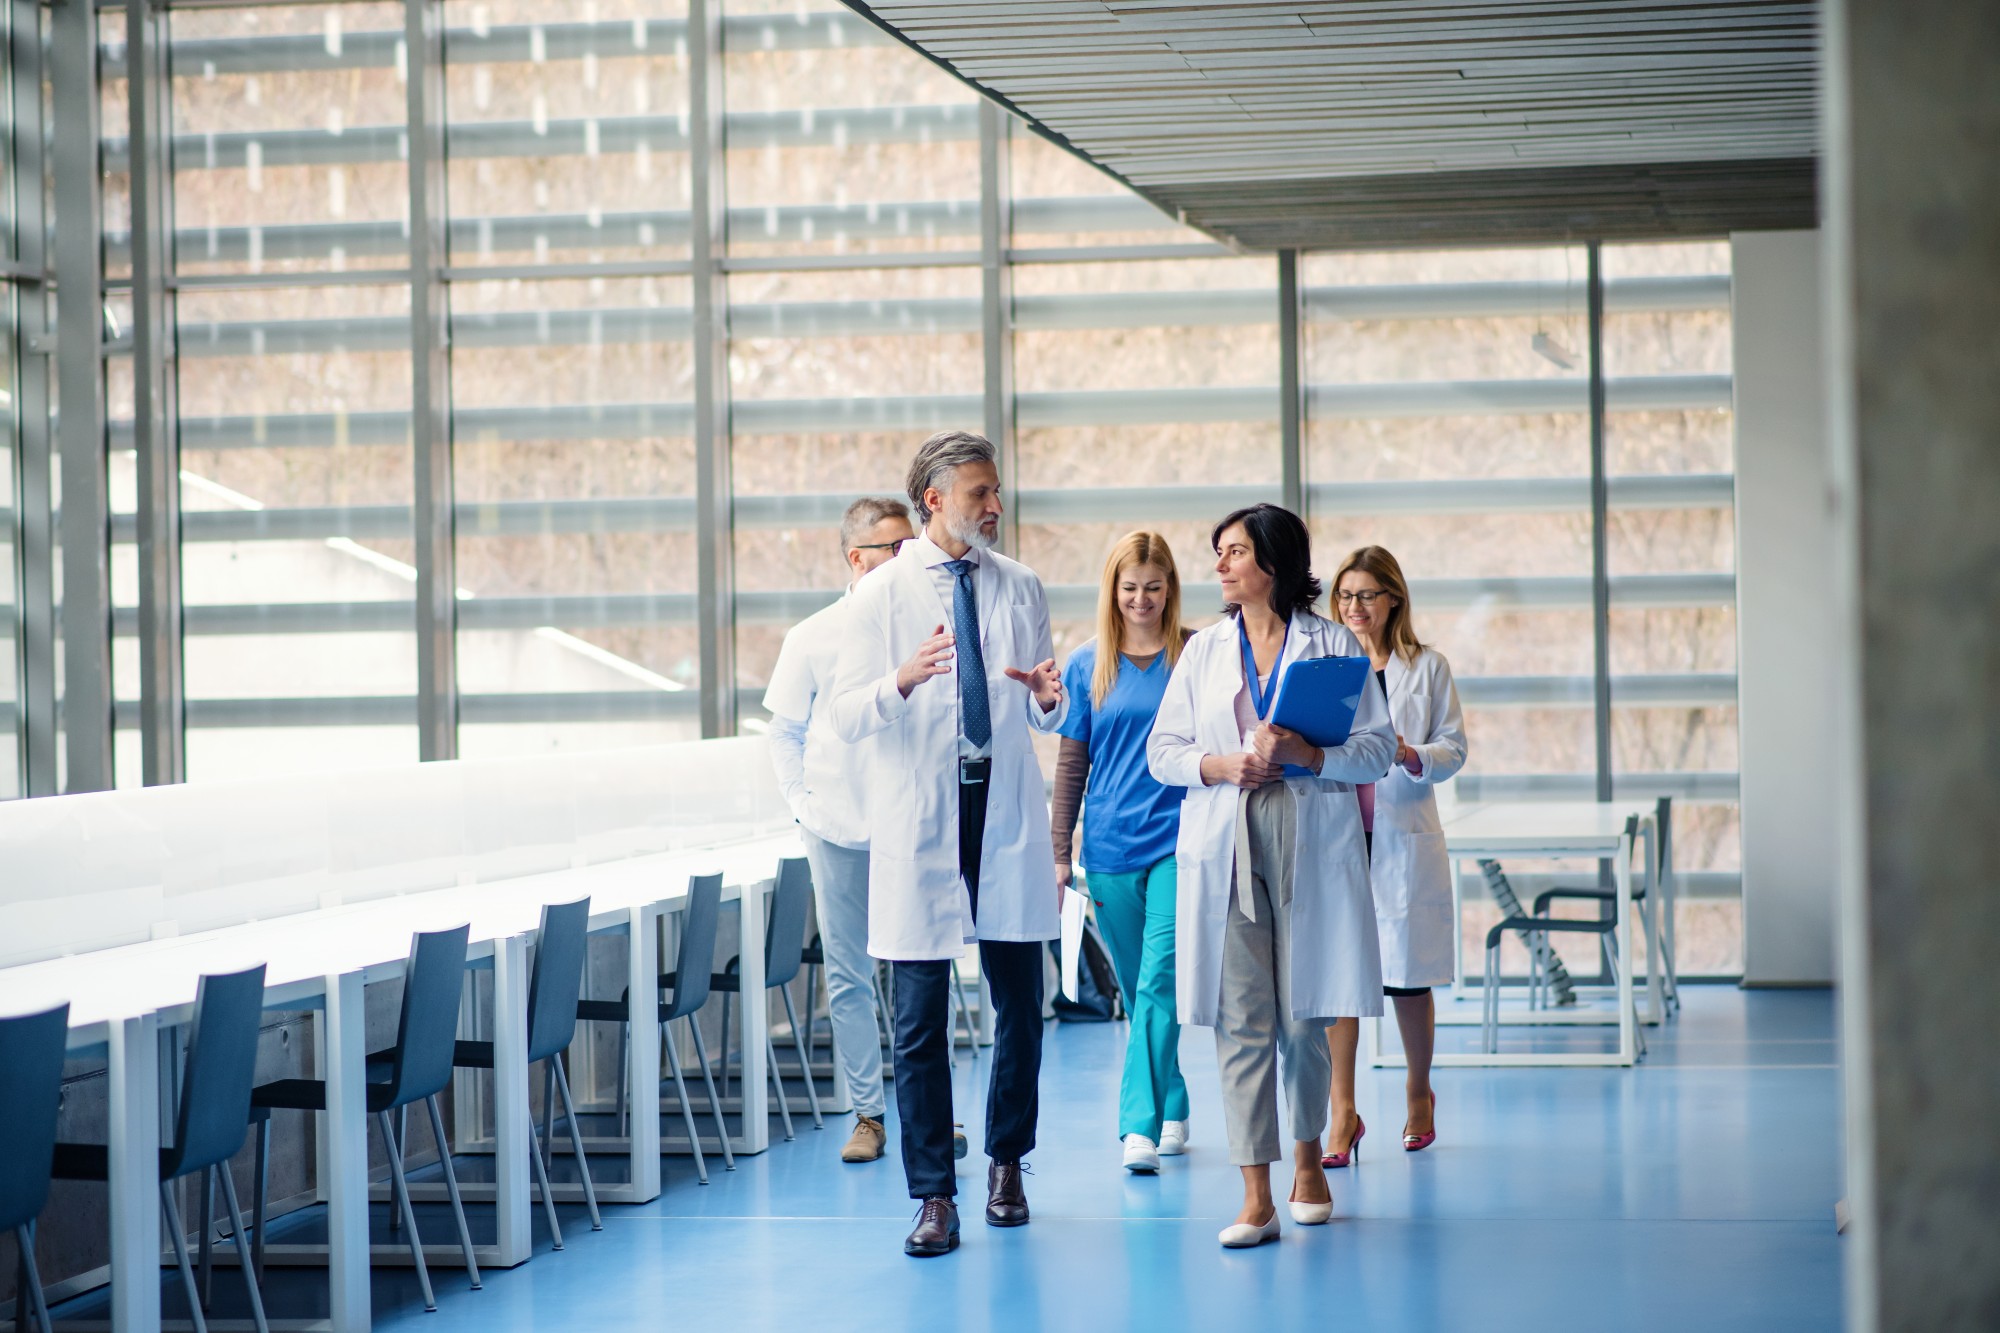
(865, 1143)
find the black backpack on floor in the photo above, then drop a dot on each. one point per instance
(1097, 999)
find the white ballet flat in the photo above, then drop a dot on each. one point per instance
(1311, 1214)
(1173, 1138)
(1243, 1236)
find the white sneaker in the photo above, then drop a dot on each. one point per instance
(1173, 1138)
(1140, 1154)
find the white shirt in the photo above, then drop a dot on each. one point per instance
(934, 558)
(817, 771)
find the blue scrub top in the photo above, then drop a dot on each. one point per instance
(1130, 820)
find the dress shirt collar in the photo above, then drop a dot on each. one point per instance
(932, 555)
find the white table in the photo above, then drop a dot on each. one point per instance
(1517, 830)
(121, 998)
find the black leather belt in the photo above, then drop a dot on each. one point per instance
(974, 772)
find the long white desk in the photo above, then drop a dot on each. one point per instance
(1517, 830)
(122, 997)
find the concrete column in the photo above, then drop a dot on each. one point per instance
(1911, 109)
(1786, 639)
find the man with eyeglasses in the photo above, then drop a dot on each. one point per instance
(820, 778)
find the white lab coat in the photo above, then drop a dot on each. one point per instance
(816, 772)
(1410, 872)
(1336, 964)
(918, 907)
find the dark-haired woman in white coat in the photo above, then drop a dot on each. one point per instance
(1275, 925)
(1408, 867)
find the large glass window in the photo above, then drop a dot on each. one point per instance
(840, 139)
(1147, 398)
(1669, 439)
(575, 466)
(833, 377)
(296, 548)
(571, 396)
(568, 131)
(1446, 395)
(1448, 420)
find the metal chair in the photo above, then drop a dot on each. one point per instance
(210, 1125)
(1529, 927)
(784, 952)
(689, 982)
(554, 988)
(1650, 907)
(415, 1069)
(32, 1047)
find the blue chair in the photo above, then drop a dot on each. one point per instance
(211, 1123)
(415, 1069)
(689, 984)
(784, 953)
(554, 989)
(31, 1051)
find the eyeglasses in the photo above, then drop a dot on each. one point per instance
(1365, 598)
(894, 547)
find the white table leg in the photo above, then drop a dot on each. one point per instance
(343, 1064)
(1628, 1016)
(135, 1175)
(511, 1132)
(642, 1053)
(754, 1016)
(1656, 1009)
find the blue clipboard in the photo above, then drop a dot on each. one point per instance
(1318, 698)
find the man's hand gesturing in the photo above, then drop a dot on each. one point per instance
(1045, 682)
(932, 658)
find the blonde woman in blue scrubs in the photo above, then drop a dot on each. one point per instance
(1131, 823)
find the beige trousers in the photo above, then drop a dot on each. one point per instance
(1256, 1042)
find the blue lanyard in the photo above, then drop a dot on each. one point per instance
(1261, 699)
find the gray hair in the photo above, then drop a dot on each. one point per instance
(864, 514)
(940, 456)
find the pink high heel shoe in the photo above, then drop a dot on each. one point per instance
(1419, 1142)
(1353, 1152)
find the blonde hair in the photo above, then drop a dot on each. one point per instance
(1134, 548)
(1378, 564)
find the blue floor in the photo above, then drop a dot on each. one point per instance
(1695, 1192)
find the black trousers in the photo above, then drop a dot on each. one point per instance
(1013, 973)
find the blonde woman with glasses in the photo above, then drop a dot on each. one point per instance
(1408, 868)
(1130, 825)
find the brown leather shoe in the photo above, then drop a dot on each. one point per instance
(1006, 1202)
(865, 1143)
(936, 1230)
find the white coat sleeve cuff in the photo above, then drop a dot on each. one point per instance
(1052, 720)
(889, 703)
(1180, 768)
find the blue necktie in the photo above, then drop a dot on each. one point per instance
(974, 709)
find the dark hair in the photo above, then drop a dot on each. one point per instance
(1284, 551)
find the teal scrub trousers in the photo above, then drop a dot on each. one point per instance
(1135, 912)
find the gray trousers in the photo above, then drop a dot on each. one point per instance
(840, 891)
(1255, 1039)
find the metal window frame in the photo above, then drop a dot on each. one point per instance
(1291, 383)
(432, 497)
(156, 407)
(715, 563)
(34, 458)
(996, 308)
(85, 712)
(1600, 519)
